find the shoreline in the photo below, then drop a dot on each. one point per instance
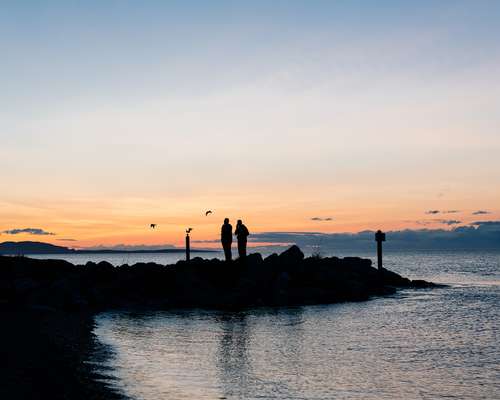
(47, 354)
(48, 306)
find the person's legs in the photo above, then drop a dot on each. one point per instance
(242, 248)
(227, 251)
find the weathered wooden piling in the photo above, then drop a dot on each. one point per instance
(188, 247)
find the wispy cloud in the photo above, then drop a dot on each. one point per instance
(423, 222)
(448, 222)
(431, 212)
(29, 231)
(67, 240)
(481, 212)
(321, 219)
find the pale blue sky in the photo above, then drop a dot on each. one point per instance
(86, 52)
(121, 99)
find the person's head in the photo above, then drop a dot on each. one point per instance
(226, 220)
(239, 222)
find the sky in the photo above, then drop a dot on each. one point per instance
(296, 116)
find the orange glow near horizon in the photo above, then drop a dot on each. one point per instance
(87, 223)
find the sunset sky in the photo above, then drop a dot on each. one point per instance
(118, 114)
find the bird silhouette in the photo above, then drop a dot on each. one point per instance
(208, 212)
(153, 226)
(188, 230)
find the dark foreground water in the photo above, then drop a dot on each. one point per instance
(426, 344)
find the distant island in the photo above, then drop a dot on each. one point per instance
(27, 248)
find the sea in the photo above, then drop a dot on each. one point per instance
(439, 343)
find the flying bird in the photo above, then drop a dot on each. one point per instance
(153, 226)
(208, 212)
(188, 230)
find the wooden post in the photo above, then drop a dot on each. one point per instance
(188, 248)
(379, 238)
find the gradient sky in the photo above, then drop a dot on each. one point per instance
(117, 114)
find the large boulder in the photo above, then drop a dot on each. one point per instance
(292, 255)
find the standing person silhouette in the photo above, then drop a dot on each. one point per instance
(226, 237)
(241, 233)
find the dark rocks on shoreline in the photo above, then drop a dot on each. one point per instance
(285, 279)
(45, 356)
(47, 306)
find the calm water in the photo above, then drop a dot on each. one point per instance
(125, 258)
(427, 344)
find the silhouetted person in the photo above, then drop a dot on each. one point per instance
(226, 237)
(241, 233)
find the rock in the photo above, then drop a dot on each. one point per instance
(420, 284)
(105, 266)
(283, 279)
(253, 260)
(282, 283)
(25, 286)
(271, 258)
(293, 254)
(392, 279)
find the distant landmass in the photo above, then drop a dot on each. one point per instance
(32, 248)
(480, 235)
(25, 248)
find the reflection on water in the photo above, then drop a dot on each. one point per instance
(242, 367)
(232, 355)
(415, 345)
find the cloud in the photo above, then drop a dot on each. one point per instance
(481, 212)
(321, 219)
(423, 222)
(29, 231)
(133, 247)
(486, 223)
(67, 240)
(308, 239)
(442, 212)
(487, 226)
(483, 235)
(449, 221)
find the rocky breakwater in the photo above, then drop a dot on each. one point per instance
(47, 306)
(284, 279)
